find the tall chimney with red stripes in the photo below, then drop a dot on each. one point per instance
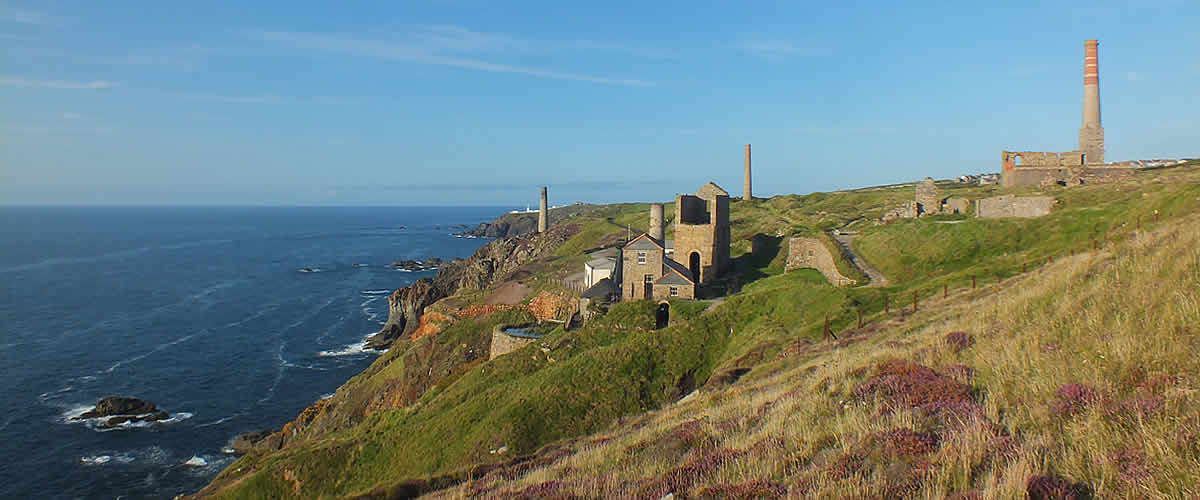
(1091, 134)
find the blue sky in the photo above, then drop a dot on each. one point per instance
(447, 102)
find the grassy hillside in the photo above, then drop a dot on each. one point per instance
(896, 407)
(1077, 379)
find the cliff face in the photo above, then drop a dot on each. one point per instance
(496, 261)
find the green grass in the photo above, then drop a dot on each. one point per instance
(617, 366)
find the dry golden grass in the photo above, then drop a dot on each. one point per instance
(1081, 376)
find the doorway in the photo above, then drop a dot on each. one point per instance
(694, 266)
(662, 316)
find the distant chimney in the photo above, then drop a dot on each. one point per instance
(1091, 133)
(748, 194)
(656, 221)
(543, 213)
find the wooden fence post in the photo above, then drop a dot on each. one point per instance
(886, 309)
(860, 318)
(972, 281)
(945, 289)
(914, 301)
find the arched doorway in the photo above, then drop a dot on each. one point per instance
(694, 266)
(662, 315)
(1016, 161)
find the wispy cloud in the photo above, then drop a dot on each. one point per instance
(440, 46)
(22, 82)
(265, 99)
(782, 49)
(71, 115)
(26, 16)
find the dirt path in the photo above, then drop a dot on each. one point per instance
(510, 293)
(877, 278)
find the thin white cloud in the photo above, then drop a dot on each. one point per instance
(781, 49)
(22, 82)
(71, 115)
(26, 16)
(266, 99)
(436, 47)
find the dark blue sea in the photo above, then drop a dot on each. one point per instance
(230, 319)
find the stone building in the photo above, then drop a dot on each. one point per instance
(927, 198)
(647, 272)
(1083, 165)
(649, 268)
(702, 233)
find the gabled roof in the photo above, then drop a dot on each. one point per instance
(710, 191)
(675, 274)
(644, 242)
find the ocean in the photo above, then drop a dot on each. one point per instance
(230, 319)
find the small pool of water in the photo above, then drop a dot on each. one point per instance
(528, 332)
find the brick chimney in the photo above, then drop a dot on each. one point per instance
(1091, 133)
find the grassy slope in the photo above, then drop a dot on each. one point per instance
(617, 366)
(1082, 372)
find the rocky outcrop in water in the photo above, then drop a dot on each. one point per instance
(116, 410)
(496, 261)
(418, 265)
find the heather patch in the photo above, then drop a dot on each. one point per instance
(1055, 488)
(958, 341)
(1073, 399)
(904, 442)
(750, 490)
(904, 384)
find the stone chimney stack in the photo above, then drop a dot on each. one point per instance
(1091, 134)
(543, 213)
(656, 221)
(747, 195)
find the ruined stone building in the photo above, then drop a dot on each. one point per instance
(702, 234)
(701, 245)
(1083, 165)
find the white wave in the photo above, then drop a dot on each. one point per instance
(71, 416)
(403, 270)
(104, 459)
(227, 450)
(327, 395)
(310, 269)
(375, 292)
(196, 461)
(349, 350)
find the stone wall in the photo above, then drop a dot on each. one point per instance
(1066, 176)
(1013, 206)
(956, 206)
(503, 343)
(812, 253)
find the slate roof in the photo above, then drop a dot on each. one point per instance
(675, 274)
(602, 263)
(644, 242)
(602, 288)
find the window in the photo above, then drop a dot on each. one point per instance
(674, 291)
(649, 278)
(641, 257)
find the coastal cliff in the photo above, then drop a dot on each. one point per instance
(494, 262)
